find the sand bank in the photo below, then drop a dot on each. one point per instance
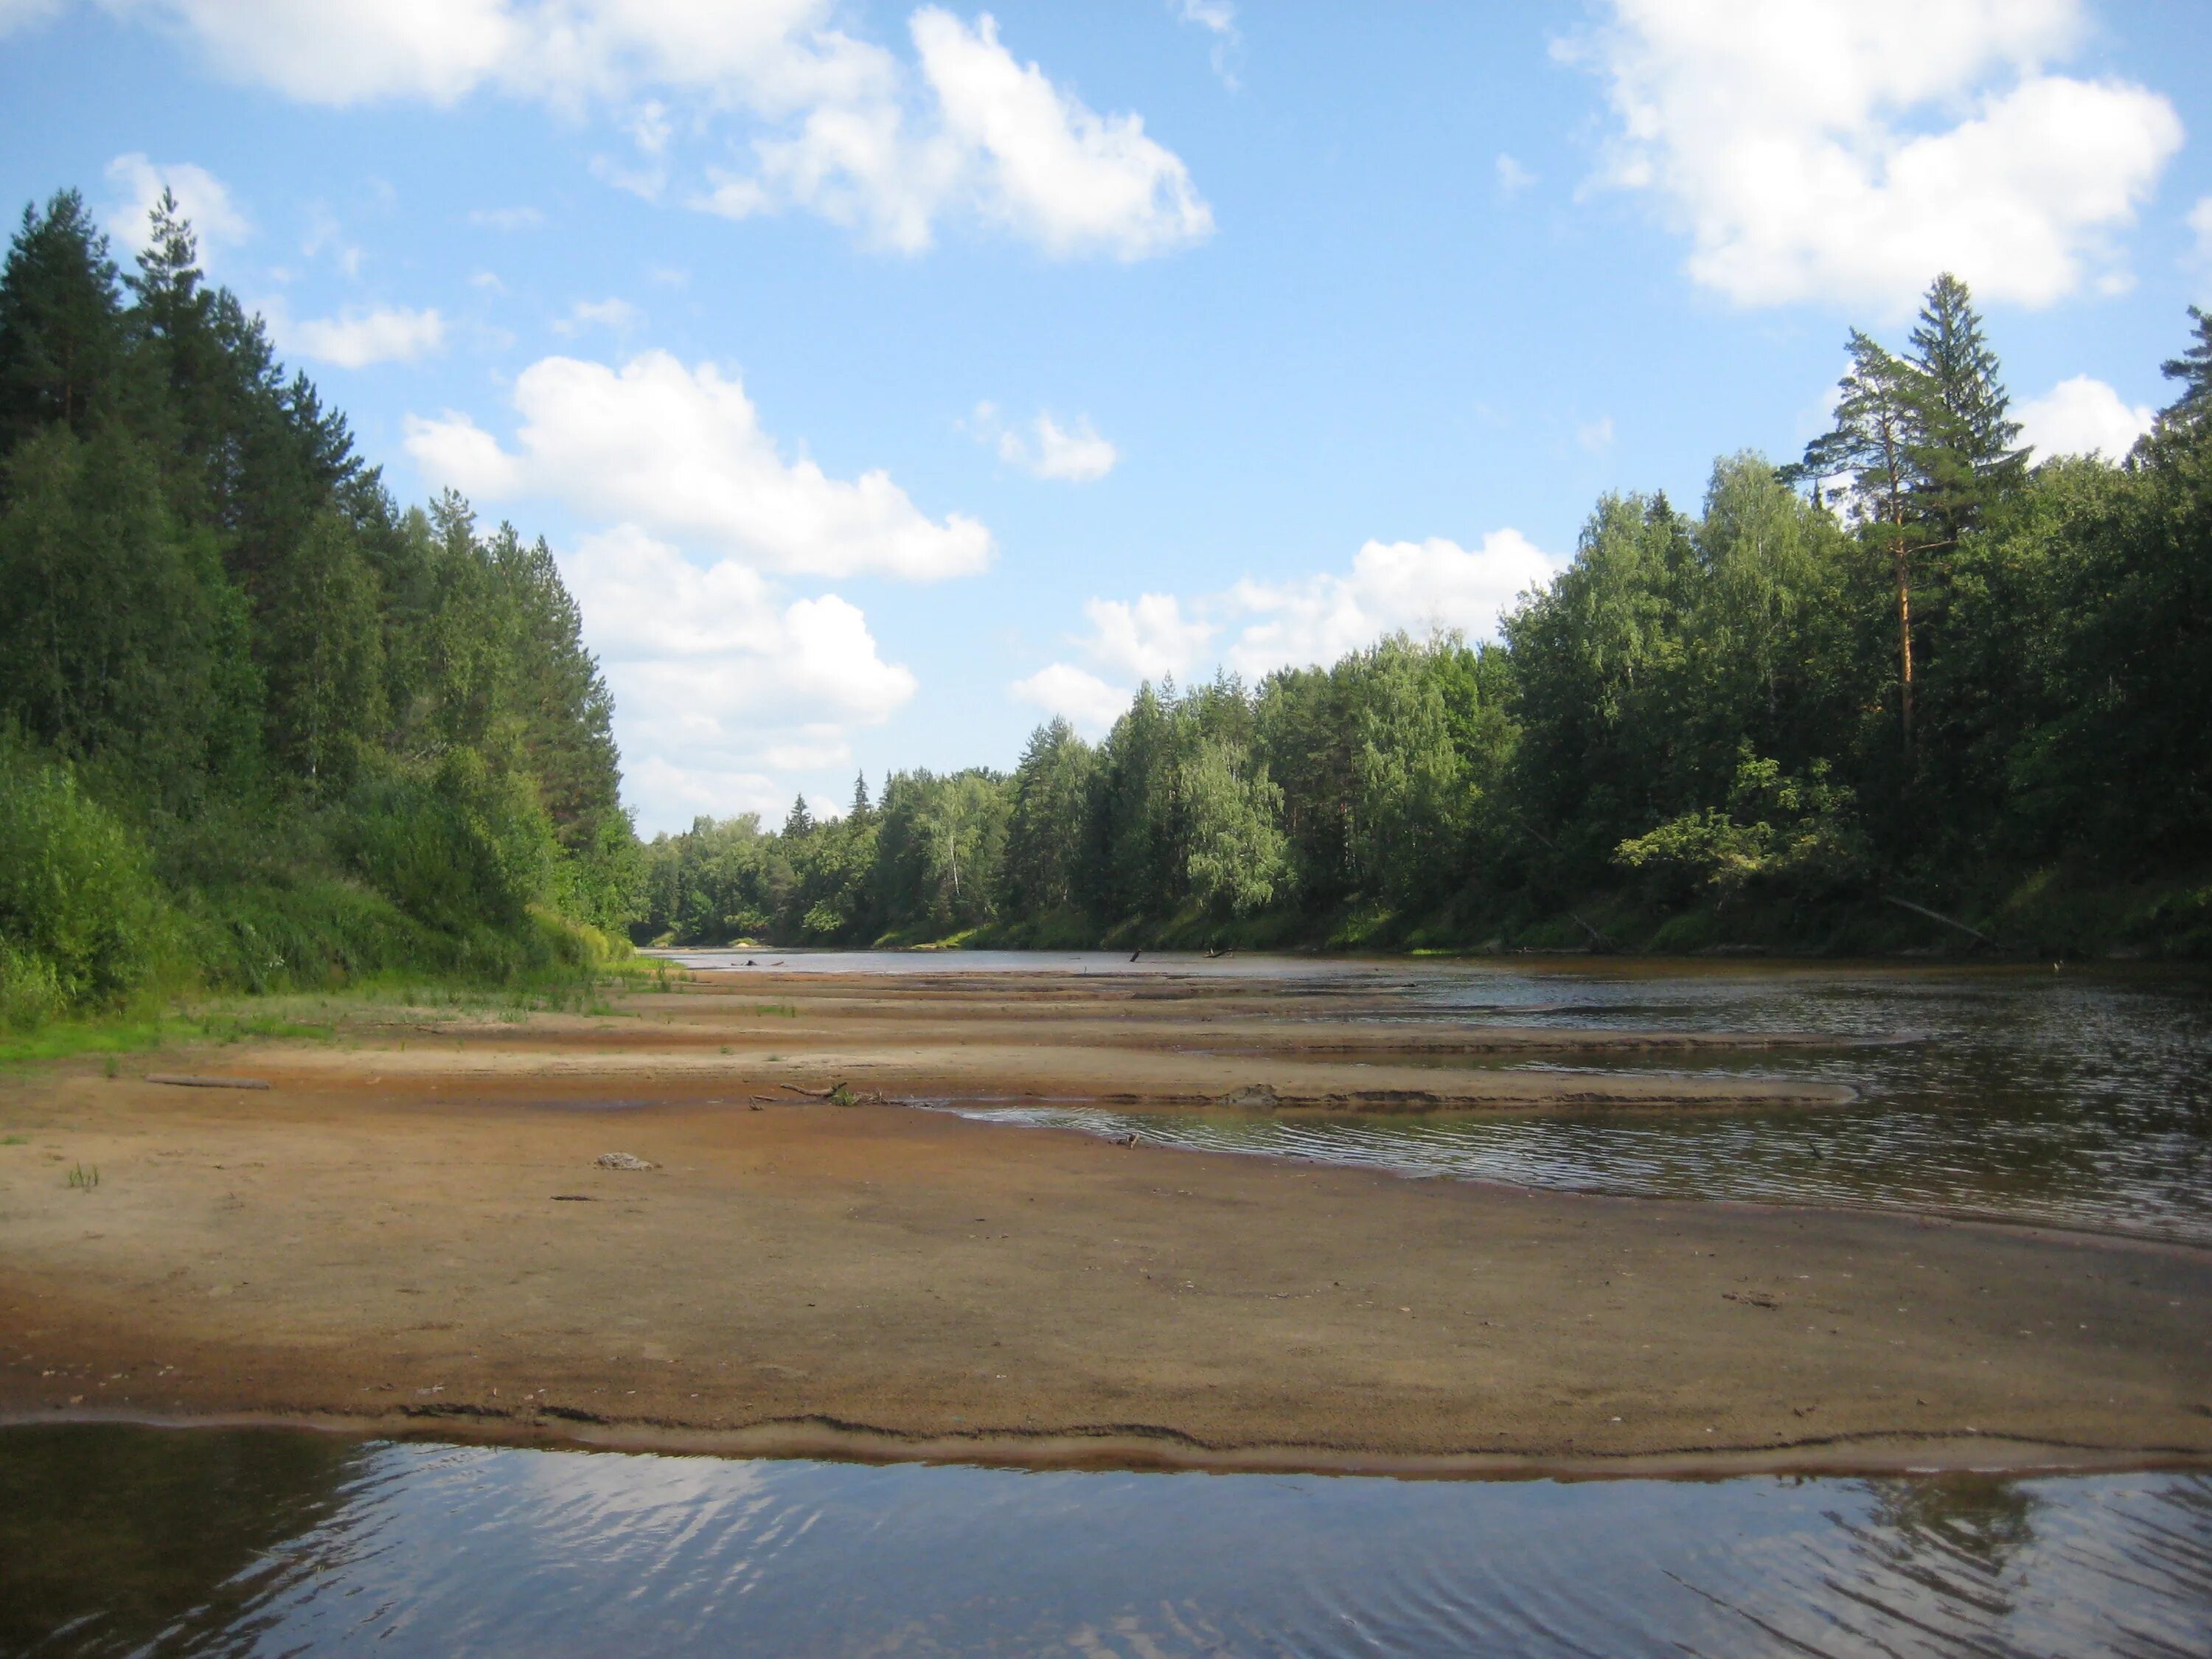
(409, 1228)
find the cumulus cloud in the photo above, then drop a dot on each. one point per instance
(681, 452)
(722, 681)
(853, 133)
(1045, 448)
(2083, 416)
(1848, 149)
(1416, 588)
(202, 198)
(1085, 702)
(355, 339)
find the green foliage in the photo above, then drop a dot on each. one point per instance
(455, 846)
(273, 730)
(1238, 856)
(1795, 835)
(82, 922)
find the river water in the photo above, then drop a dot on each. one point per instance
(118, 1541)
(2079, 1098)
(2082, 1099)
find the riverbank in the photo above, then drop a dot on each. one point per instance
(409, 1228)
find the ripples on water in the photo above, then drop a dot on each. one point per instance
(390, 1549)
(2078, 1098)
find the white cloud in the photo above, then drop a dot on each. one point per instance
(854, 133)
(1087, 702)
(719, 680)
(1219, 15)
(681, 452)
(1512, 177)
(618, 314)
(1146, 640)
(1595, 435)
(1417, 588)
(1219, 19)
(507, 218)
(355, 339)
(1074, 181)
(2083, 416)
(1046, 449)
(202, 198)
(1849, 150)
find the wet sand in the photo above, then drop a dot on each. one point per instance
(408, 1231)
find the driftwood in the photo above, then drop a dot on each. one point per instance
(179, 1080)
(1937, 915)
(1604, 944)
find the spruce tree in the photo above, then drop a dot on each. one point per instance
(1966, 446)
(2193, 368)
(61, 332)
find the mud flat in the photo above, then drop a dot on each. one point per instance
(410, 1228)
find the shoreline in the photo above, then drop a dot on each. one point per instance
(1873, 1454)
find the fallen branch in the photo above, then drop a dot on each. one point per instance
(1602, 940)
(179, 1080)
(1937, 915)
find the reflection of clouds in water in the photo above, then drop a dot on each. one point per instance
(564, 1553)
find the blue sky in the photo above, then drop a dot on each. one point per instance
(886, 377)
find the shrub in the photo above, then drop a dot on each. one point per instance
(81, 919)
(458, 848)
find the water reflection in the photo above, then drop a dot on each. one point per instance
(429, 1549)
(114, 1541)
(2080, 1099)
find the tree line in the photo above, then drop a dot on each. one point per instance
(260, 724)
(1911, 685)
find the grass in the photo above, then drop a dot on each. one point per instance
(307, 1016)
(84, 1180)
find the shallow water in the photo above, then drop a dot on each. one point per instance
(248, 1542)
(2079, 1098)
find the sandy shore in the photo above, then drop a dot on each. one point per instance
(408, 1228)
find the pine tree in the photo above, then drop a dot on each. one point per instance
(800, 822)
(862, 810)
(1879, 442)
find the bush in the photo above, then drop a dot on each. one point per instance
(81, 919)
(460, 849)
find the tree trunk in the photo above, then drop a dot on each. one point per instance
(1905, 643)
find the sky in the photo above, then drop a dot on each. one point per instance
(889, 379)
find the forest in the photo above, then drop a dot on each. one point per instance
(261, 726)
(1911, 690)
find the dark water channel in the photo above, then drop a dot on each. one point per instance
(2080, 1097)
(119, 1540)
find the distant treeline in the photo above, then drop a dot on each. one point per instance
(258, 725)
(1911, 672)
